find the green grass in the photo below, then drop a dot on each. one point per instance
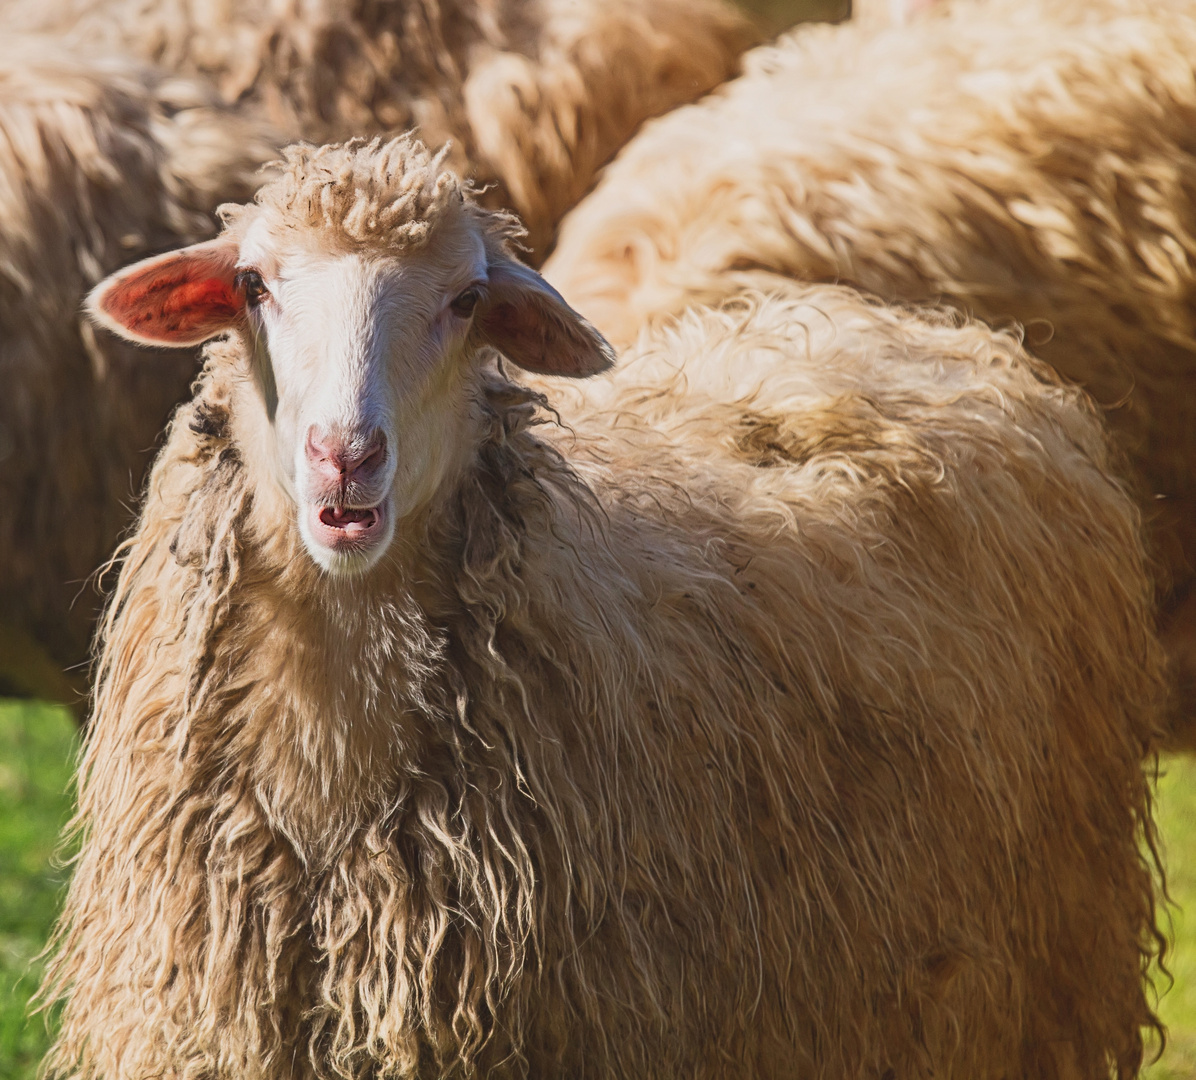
(773, 16)
(1176, 813)
(37, 746)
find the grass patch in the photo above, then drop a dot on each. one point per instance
(773, 16)
(37, 748)
(1176, 815)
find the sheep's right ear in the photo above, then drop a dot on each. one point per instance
(177, 299)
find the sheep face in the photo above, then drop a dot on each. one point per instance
(364, 358)
(364, 363)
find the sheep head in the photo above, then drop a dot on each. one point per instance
(368, 290)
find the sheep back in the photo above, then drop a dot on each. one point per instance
(535, 97)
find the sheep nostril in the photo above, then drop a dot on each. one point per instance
(374, 456)
(345, 459)
(317, 450)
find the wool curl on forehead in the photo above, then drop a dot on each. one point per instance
(389, 194)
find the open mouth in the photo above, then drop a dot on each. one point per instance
(350, 522)
(347, 528)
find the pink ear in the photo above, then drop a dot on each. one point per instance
(528, 321)
(180, 298)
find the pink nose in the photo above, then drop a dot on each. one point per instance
(340, 461)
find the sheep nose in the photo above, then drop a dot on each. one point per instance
(343, 460)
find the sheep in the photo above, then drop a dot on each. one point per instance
(101, 161)
(774, 710)
(1022, 161)
(535, 96)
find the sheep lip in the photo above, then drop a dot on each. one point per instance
(347, 528)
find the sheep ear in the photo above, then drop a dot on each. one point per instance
(177, 299)
(528, 321)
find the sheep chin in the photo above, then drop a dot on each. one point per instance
(349, 552)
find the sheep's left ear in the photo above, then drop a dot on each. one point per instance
(528, 321)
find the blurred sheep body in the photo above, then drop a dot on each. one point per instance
(1022, 161)
(101, 162)
(778, 715)
(535, 96)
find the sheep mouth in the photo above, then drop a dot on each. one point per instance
(347, 520)
(347, 528)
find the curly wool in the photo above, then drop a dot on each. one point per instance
(385, 195)
(1029, 162)
(535, 97)
(879, 13)
(101, 161)
(782, 716)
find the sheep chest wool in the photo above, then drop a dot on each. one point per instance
(772, 708)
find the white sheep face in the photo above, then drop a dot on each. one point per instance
(365, 360)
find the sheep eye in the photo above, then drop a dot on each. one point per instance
(464, 304)
(251, 285)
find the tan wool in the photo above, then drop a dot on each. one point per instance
(534, 96)
(102, 161)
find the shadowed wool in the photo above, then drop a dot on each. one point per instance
(536, 97)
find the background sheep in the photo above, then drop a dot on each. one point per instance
(781, 718)
(101, 162)
(1034, 162)
(535, 96)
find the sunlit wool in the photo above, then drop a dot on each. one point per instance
(1029, 161)
(101, 161)
(777, 711)
(535, 96)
